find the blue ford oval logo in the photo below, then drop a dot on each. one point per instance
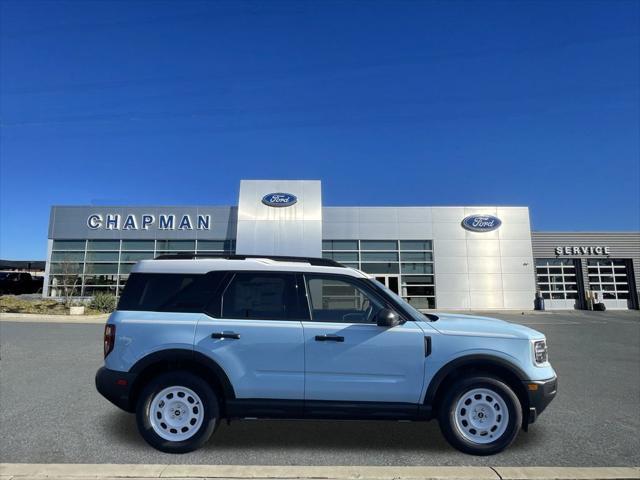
(279, 199)
(481, 223)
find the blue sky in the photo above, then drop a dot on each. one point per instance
(388, 103)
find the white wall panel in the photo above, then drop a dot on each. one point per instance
(483, 248)
(416, 231)
(452, 282)
(452, 265)
(518, 300)
(484, 265)
(414, 214)
(515, 282)
(450, 248)
(523, 265)
(453, 300)
(514, 231)
(516, 248)
(485, 282)
(486, 300)
(449, 230)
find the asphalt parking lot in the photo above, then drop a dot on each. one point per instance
(50, 411)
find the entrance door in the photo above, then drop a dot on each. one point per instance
(392, 282)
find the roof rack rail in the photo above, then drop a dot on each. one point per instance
(318, 262)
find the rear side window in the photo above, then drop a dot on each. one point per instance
(262, 296)
(169, 292)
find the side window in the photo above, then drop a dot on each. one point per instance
(262, 296)
(168, 292)
(341, 300)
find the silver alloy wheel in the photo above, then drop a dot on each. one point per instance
(481, 415)
(176, 413)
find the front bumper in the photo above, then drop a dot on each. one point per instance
(116, 387)
(540, 393)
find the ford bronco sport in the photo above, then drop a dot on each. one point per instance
(198, 340)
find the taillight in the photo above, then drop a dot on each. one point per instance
(109, 338)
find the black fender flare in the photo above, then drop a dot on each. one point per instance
(179, 356)
(472, 360)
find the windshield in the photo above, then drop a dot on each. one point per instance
(406, 306)
(5, 275)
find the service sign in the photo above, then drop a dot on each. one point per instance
(279, 199)
(481, 223)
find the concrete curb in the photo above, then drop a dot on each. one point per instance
(39, 318)
(18, 471)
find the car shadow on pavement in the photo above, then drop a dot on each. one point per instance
(313, 435)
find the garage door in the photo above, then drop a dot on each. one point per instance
(610, 279)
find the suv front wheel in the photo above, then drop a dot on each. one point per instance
(177, 412)
(480, 415)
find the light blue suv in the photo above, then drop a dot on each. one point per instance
(195, 341)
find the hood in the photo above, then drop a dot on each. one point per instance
(470, 325)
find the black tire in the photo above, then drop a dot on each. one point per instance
(183, 379)
(447, 415)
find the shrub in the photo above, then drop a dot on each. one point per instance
(103, 302)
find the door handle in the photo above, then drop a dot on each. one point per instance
(231, 335)
(329, 338)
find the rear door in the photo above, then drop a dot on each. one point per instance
(348, 356)
(254, 332)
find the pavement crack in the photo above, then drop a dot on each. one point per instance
(164, 469)
(496, 472)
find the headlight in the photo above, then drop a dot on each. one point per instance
(540, 355)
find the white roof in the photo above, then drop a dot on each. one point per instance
(204, 265)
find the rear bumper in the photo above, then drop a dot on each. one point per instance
(540, 393)
(116, 387)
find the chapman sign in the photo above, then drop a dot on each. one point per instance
(584, 250)
(115, 221)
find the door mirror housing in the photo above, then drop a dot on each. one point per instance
(388, 318)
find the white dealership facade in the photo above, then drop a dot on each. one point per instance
(458, 257)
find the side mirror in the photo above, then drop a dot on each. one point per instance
(387, 318)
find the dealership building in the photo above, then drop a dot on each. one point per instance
(459, 257)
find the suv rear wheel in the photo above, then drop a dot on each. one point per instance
(177, 412)
(480, 415)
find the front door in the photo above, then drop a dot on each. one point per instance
(392, 282)
(257, 338)
(348, 356)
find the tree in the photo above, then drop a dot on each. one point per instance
(69, 274)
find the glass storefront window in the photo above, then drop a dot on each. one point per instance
(379, 256)
(409, 267)
(422, 302)
(417, 280)
(102, 256)
(416, 245)
(380, 267)
(66, 268)
(176, 245)
(100, 279)
(67, 256)
(340, 245)
(216, 245)
(417, 268)
(68, 245)
(126, 267)
(138, 245)
(378, 245)
(417, 256)
(98, 268)
(418, 291)
(341, 256)
(135, 256)
(103, 245)
(90, 291)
